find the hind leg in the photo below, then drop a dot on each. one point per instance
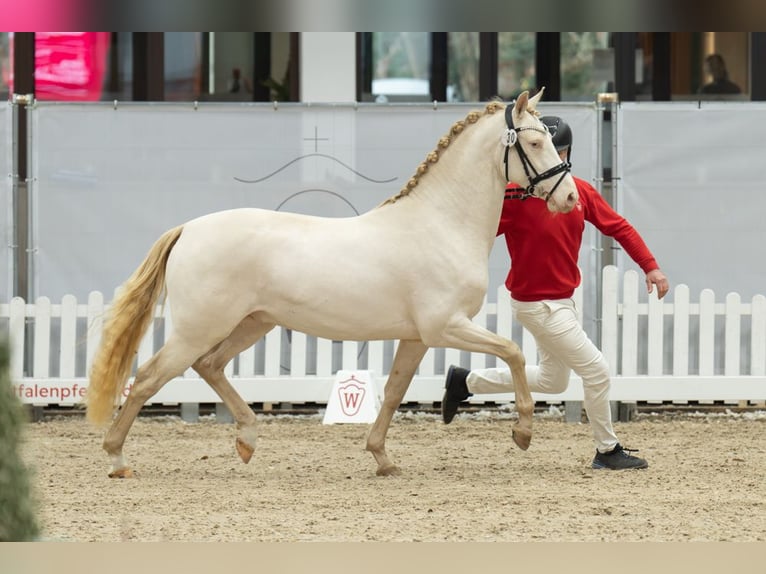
(408, 357)
(210, 367)
(465, 335)
(169, 362)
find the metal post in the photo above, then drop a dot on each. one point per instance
(573, 411)
(23, 280)
(608, 104)
(223, 414)
(190, 412)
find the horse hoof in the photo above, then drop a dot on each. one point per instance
(122, 473)
(522, 438)
(389, 470)
(244, 450)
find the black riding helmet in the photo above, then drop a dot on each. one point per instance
(560, 132)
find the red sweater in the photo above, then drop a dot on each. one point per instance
(544, 246)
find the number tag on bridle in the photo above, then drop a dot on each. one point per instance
(509, 138)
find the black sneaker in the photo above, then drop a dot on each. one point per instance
(455, 391)
(618, 458)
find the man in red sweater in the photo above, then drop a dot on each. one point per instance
(544, 249)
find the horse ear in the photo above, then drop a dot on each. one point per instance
(533, 101)
(521, 104)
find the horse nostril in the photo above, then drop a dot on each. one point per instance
(571, 199)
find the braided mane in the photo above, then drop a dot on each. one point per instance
(443, 143)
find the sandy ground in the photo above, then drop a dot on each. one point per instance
(463, 482)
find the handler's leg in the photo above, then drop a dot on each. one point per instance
(560, 337)
(589, 363)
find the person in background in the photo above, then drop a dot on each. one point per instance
(238, 83)
(715, 66)
(544, 250)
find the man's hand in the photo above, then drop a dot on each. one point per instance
(657, 277)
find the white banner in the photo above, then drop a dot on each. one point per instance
(108, 180)
(692, 183)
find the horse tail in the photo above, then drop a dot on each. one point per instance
(131, 314)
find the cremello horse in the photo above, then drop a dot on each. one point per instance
(418, 260)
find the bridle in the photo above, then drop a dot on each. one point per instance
(511, 138)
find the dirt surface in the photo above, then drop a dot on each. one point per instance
(463, 482)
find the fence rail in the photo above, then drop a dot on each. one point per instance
(658, 351)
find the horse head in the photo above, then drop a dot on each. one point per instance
(536, 165)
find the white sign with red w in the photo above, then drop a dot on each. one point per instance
(354, 398)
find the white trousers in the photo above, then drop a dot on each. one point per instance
(563, 347)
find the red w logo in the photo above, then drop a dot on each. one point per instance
(351, 396)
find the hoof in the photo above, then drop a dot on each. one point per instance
(122, 473)
(522, 438)
(388, 470)
(244, 450)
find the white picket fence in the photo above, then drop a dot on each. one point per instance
(658, 351)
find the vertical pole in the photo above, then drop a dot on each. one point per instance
(24, 95)
(661, 73)
(607, 109)
(548, 64)
(439, 66)
(488, 65)
(148, 66)
(24, 89)
(294, 67)
(758, 66)
(261, 66)
(625, 65)
(363, 65)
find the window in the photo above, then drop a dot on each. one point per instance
(587, 65)
(183, 66)
(463, 63)
(231, 65)
(5, 65)
(69, 66)
(723, 65)
(401, 65)
(516, 63)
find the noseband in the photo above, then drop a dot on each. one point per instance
(510, 139)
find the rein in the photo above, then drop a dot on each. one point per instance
(510, 139)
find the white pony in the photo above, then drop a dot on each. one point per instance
(418, 263)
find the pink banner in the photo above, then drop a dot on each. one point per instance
(69, 66)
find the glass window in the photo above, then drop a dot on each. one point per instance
(209, 66)
(69, 66)
(710, 65)
(463, 72)
(723, 66)
(232, 65)
(587, 65)
(516, 63)
(401, 66)
(5, 65)
(183, 66)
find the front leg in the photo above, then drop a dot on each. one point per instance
(406, 361)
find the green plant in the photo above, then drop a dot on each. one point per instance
(17, 511)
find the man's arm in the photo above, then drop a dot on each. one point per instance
(612, 224)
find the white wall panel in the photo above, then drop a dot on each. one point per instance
(692, 182)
